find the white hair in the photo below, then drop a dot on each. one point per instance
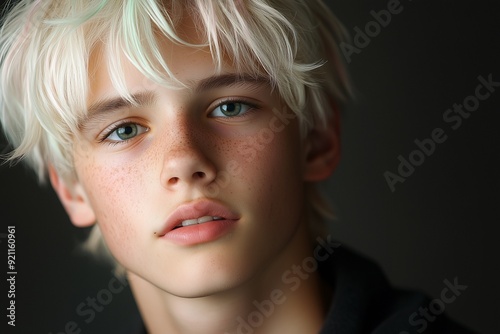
(45, 47)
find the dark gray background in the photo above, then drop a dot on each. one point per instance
(439, 224)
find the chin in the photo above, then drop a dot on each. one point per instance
(192, 280)
(204, 287)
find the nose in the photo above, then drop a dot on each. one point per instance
(186, 164)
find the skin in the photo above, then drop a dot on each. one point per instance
(184, 150)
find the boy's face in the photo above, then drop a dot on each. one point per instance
(221, 142)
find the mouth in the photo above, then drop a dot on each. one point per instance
(198, 214)
(197, 221)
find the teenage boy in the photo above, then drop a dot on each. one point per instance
(192, 134)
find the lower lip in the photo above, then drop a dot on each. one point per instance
(200, 233)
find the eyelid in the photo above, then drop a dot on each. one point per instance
(108, 131)
(249, 102)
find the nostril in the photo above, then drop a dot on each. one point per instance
(198, 175)
(173, 180)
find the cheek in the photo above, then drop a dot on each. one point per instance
(270, 190)
(115, 193)
(274, 175)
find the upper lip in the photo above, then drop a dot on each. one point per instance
(197, 209)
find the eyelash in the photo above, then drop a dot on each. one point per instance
(253, 107)
(115, 127)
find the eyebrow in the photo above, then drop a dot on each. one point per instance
(230, 79)
(147, 98)
(104, 106)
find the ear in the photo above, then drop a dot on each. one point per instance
(73, 199)
(323, 149)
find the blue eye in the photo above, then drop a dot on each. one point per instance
(231, 109)
(125, 132)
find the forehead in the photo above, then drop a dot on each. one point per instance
(180, 65)
(176, 57)
(187, 64)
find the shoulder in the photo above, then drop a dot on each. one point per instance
(365, 302)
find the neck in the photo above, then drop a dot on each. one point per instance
(283, 299)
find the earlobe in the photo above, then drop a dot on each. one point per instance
(73, 199)
(323, 150)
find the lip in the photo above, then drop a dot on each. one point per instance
(199, 233)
